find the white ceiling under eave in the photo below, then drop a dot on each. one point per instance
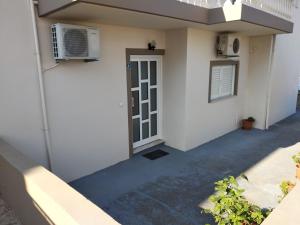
(107, 15)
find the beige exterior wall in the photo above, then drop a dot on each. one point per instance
(259, 79)
(206, 121)
(285, 74)
(20, 114)
(87, 102)
(174, 88)
(189, 119)
(274, 71)
(200, 121)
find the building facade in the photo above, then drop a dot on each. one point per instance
(93, 117)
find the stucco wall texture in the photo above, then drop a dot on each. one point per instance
(87, 102)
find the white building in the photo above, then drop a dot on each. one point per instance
(94, 110)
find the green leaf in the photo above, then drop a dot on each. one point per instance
(231, 207)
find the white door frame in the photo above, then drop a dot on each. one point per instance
(158, 59)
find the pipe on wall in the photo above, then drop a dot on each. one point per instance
(31, 4)
(271, 75)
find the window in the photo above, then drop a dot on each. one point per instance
(223, 79)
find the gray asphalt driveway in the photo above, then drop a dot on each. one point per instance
(171, 190)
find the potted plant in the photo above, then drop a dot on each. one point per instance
(247, 124)
(296, 159)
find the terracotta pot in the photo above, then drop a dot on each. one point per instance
(298, 171)
(247, 125)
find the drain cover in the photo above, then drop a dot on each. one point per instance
(155, 154)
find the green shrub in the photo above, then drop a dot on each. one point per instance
(296, 158)
(286, 187)
(251, 119)
(231, 207)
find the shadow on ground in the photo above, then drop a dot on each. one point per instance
(168, 191)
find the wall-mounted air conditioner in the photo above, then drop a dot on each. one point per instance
(75, 42)
(228, 45)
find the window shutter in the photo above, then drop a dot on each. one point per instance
(227, 84)
(215, 82)
(222, 80)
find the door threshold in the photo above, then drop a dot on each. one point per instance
(146, 146)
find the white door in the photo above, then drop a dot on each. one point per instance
(146, 82)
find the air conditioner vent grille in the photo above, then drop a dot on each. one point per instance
(76, 42)
(236, 46)
(54, 40)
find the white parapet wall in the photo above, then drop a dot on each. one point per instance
(287, 212)
(280, 8)
(40, 198)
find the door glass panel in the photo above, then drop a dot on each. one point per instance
(144, 70)
(144, 91)
(145, 111)
(145, 128)
(135, 103)
(134, 74)
(136, 130)
(153, 99)
(153, 73)
(153, 125)
(145, 117)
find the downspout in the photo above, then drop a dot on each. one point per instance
(271, 74)
(32, 4)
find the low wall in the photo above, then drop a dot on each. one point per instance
(287, 213)
(38, 197)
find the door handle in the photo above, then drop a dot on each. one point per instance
(132, 102)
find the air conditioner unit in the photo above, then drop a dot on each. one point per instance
(228, 45)
(75, 42)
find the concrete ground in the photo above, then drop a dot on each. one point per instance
(171, 190)
(7, 216)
